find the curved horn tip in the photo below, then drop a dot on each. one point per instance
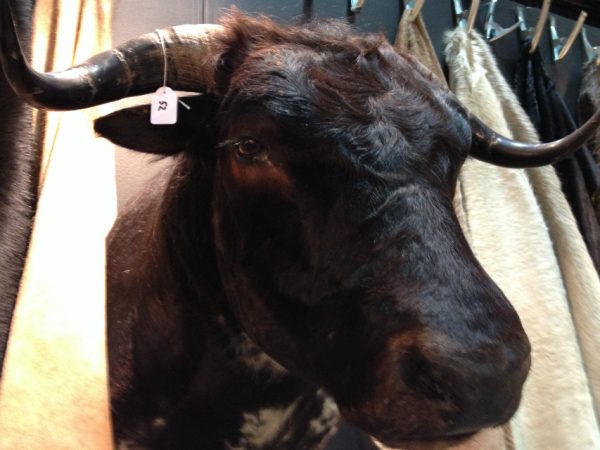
(489, 146)
(113, 74)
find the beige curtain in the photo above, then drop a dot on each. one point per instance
(54, 392)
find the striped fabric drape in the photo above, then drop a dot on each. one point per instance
(54, 391)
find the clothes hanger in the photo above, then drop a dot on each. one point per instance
(560, 44)
(413, 8)
(465, 18)
(307, 10)
(356, 5)
(530, 33)
(493, 30)
(472, 15)
(539, 27)
(592, 52)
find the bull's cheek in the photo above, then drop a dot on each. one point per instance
(255, 213)
(249, 307)
(252, 201)
(259, 176)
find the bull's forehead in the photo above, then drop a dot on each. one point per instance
(356, 82)
(377, 105)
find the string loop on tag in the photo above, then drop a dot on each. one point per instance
(166, 63)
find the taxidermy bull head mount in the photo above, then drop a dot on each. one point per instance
(333, 164)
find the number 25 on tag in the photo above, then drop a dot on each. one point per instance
(163, 107)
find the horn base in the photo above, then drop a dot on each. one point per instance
(133, 68)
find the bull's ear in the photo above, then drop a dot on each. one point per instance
(131, 127)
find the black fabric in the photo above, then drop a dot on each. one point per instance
(589, 102)
(579, 175)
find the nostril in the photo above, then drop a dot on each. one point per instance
(467, 392)
(417, 373)
(430, 385)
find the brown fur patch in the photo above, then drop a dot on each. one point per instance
(260, 175)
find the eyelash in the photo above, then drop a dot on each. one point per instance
(238, 142)
(228, 143)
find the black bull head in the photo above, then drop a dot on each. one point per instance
(335, 161)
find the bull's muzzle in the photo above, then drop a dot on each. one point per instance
(458, 368)
(429, 393)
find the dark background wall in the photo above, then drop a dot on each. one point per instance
(134, 17)
(384, 15)
(571, 8)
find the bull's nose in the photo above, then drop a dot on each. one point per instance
(425, 392)
(468, 392)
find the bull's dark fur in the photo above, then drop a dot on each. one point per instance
(18, 184)
(182, 362)
(335, 250)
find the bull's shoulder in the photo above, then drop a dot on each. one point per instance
(137, 310)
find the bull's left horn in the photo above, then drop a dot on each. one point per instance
(489, 146)
(133, 68)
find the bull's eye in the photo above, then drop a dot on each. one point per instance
(248, 147)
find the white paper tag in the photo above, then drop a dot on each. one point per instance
(163, 109)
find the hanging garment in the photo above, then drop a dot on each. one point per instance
(54, 389)
(589, 102)
(523, 233)
(413, 39)
(579, 174)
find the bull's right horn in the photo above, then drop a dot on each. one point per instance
(133, 68)
(491, 147)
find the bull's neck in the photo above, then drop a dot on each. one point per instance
(185, 234)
